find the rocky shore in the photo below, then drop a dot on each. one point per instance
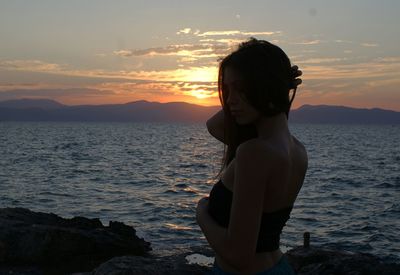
(40, 243)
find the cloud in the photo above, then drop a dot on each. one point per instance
(375, 68)
(358, 92)
(193, 73)
(124, 53)
(343, 41)
(384, 82)
(237, 33)
(192, 91)
(184, 31)
(323, 60)
(211, 45)
(202, 50)
(313, 68)
(330, 75)
(30, 65)
(29, 86)
(308, 51)
(309, 42)
(53, 93)
(369, 45)
(389, 59)
(227, 41)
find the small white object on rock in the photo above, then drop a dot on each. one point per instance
(200, 259)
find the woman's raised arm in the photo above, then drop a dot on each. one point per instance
(215, 124)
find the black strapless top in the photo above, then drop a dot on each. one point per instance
(272, 223)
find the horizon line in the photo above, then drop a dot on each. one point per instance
(206, 106)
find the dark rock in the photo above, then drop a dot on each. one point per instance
(20, 270)
(39, 243)
(305, 261)
(50, 242)
(317, 260)
(172, 264)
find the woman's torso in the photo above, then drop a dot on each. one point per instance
(281, 191)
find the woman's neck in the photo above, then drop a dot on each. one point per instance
(269, 127)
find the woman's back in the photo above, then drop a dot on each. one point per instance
(285, 176)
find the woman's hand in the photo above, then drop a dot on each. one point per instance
(201, 209)
(295, 74)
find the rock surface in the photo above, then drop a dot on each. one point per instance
(49, 242)
(40, 244)
(166, 265)
(305, 261)
(318, 260)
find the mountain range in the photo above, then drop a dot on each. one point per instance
(145, 111)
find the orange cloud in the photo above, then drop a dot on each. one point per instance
(185, 50)
(327, 79)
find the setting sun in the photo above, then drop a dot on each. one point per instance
(200, 83)
(200, 94)
(202, 74)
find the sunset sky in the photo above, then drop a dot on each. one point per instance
(97, 52)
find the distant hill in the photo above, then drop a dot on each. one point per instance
(145, 111)
(343, 115)
(138, 111)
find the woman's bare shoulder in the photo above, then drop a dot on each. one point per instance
(253, 145)
(259, 150)
(264, 151)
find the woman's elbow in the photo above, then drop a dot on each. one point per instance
(216, 132)
(209, 125)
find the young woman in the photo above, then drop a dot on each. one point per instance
(264, 165)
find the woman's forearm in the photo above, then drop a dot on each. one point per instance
(215, 234)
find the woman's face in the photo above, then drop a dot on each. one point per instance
(240, 109)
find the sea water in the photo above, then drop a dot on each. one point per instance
(151, 175)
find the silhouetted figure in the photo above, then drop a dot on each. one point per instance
(264, 165)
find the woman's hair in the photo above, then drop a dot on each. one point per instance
(268, 79)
